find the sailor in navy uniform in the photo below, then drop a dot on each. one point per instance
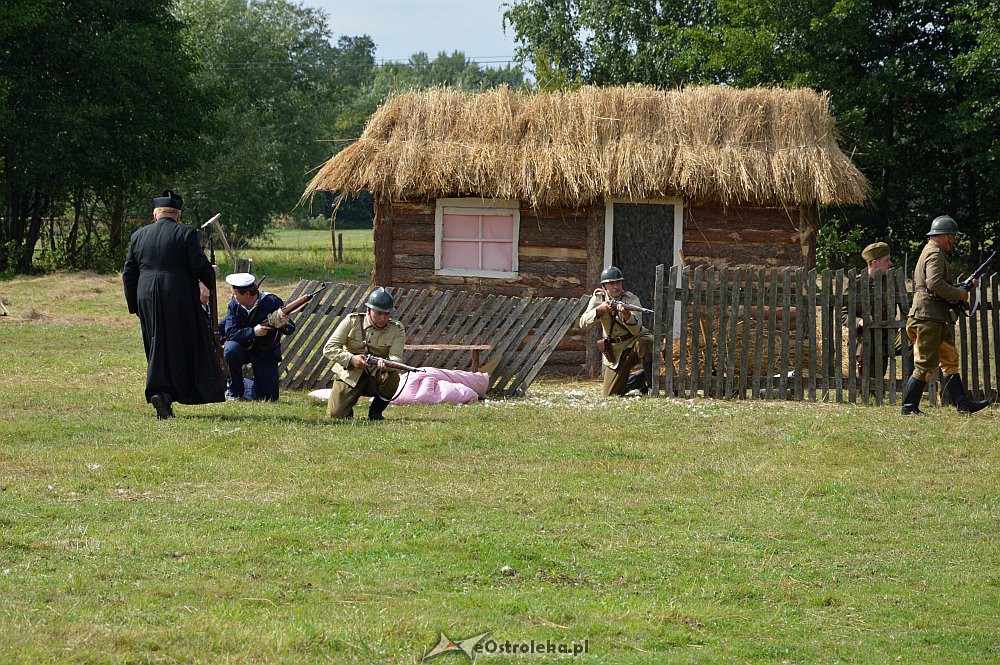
(251, 332)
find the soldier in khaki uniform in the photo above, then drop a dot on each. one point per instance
(876, 255)
(931, 321)
(627, 341)
(357, 335)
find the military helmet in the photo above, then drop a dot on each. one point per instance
(380, 300)
(943, 225)
(611, 274)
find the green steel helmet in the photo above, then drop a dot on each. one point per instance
(380, 300)
(611, 274)
(943, 225)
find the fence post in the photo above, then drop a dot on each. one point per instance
(786, 315)
(668, 379)
(340, 248)
(657, 329)
(987, 388)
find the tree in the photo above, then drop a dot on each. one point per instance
(278, 85)
(76, 78)
(454, 70)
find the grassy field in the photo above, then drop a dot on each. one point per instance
(293, 255)
(654, 530)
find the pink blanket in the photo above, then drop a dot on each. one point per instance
(435, 386)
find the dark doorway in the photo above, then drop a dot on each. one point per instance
(643, 238)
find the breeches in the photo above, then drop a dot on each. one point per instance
(343, 397)
(615, 379)
(933, 345)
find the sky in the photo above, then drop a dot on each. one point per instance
(400, 28)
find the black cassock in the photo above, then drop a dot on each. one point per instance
(164, 265)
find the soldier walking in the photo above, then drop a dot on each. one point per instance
(931, 321)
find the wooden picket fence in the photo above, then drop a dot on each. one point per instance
(759, 333)
(521, 333)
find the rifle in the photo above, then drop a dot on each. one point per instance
(969, 308)
(272, 338)
(213, 311)
(372, 360)
(604, 344)
(628, 306)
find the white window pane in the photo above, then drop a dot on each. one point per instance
(460, 255)
(498, 256)
(497, 227)
(461, 226)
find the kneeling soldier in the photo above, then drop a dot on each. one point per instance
(251, 332)
(358, 335)
(626, 343)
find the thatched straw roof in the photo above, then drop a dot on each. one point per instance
(762, 145)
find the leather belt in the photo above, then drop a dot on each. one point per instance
(620, 339)
(924, 289)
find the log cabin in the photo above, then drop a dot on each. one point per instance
(527, 194)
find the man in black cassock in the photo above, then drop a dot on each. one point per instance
(164, 265)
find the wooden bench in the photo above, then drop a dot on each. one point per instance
(475, 348)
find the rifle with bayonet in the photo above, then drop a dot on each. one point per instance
(969, 308)
(373, 361)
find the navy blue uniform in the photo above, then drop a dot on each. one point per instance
(242, 346)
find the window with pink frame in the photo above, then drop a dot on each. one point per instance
(478, 242)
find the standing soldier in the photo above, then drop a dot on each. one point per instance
(876, 255)
(931, 321)
(354, 338)
(625, 342)
(165, 262)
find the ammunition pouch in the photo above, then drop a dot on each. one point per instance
(604, 346)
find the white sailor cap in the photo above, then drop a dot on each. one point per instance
(240, 280)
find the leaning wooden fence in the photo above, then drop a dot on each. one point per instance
(521, 332)
(758, 333)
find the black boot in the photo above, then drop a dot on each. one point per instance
(377, 407)
(161, 402)
(635, 382)
(911, 397)
(960, 398)
(647, 374)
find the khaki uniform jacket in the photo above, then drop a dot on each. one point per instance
(348, 339)
(614, 327)
(933, 272)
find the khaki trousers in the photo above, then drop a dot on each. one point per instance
(933, 345)
(615, 379)
(343, 397)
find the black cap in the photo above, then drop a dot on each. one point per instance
(168, 200)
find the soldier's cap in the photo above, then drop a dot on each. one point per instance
(876, 250)
(168, 200)
(241, 280)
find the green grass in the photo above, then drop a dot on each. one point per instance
(293, 255)
(658, 530)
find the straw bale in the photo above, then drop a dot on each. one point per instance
(569, 148)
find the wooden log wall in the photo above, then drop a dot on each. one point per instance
(561, 253)
(744, 236)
